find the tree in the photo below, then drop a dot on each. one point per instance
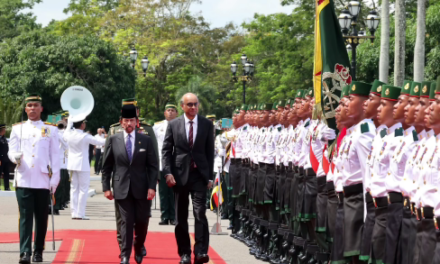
(419, 51)
(399, 49)
(13, 18)
(48, 64)
(384, 42)
(204, 91)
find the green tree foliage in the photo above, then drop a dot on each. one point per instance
(13, 19)
(48, 64)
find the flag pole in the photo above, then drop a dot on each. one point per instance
(217, 227)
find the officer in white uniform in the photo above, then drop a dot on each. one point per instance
(79, 166)
(166, 195)
(34, 147)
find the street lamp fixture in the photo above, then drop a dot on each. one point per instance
(144, 63)
(133, 56)
(243, 59)
(348, 22)
(248, 72)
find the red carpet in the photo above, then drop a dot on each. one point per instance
(87, 246)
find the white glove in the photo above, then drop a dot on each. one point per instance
(18, 156)
(328, 134)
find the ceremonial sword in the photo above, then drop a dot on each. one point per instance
(51, 209)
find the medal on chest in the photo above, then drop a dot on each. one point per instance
(417, 151)
(45, 132)
(349, 146)
(401, 147)
(383, 147)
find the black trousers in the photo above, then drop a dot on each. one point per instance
(4, 168)
(32, 202)
(97, 157)
(198, 197)
(135, 213)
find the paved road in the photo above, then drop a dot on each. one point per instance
(101, 212)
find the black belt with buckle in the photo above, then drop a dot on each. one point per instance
(353, 189)
(427, 212)
(395, 197)
(380, 201)
(368, 198)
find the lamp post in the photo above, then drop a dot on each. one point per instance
(348, 22)
(248, 73)
(144, 63)
(133, 56)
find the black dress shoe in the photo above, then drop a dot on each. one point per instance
(185, 259)
(201, 258)
(224, 217)
(230, 227)
(138, 258)
(173, 222)
(37, 257)
(163, 222)
(125, 260)
(144, 251)
(25, 258)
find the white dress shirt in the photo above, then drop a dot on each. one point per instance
(132, 134)
(160, 130)
(188, 125)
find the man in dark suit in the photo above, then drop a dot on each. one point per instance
(188, 163)
(4, 160)
(131, 158)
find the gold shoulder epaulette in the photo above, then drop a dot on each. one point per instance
(157, 123)
(50, 124)
(18, 123)
(144, 123)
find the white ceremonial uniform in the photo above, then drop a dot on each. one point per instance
(160, 130)
(266, 148)
(430, 181)
(64, 150)
(417, 158)
(375, 146)
(304, 159)
(410, 188)
(421, 166)
(79, 167)
(382, 160)
(320, 138)
(40, 148)
(358, 148)
(405, 145)
(229, 136)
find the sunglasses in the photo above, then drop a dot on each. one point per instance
(192, 104)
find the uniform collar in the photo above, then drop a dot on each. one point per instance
(438, 137)
(380, 128)
(408, 132)
(430, 133)
(34, 123)
(393, 128)
(422, 134)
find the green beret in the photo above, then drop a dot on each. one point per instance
(376, 88)
(344, 92)
(281, 103)
(390, 93)
(406, 87)
(244, 107)
(129, 101)
(275, 106)
(426, 86)
(2, 126)
(432, 91)
(170, 105)
(310, 92)
(415, 89)
(299, 93)
(288, 102)
(33, 97)
(255, 107)
(359, 88)
(265, 106)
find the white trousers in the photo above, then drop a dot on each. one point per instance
(79, 188)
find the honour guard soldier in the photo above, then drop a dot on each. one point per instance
(360, 135)
(210, 117)
(60, 194)
(4, 160)
(388, 207)
(433, 185)
(371, 106)
(166, 194)
(34, 147)
(424, 245)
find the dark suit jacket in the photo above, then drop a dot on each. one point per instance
(139, 175)
(176, 154)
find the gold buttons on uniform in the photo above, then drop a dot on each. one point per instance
(33, 156)
(32, 166)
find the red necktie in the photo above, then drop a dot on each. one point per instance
(191, 141)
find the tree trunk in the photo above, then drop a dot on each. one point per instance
(384, 60)
(419, 49)
(399, 48)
